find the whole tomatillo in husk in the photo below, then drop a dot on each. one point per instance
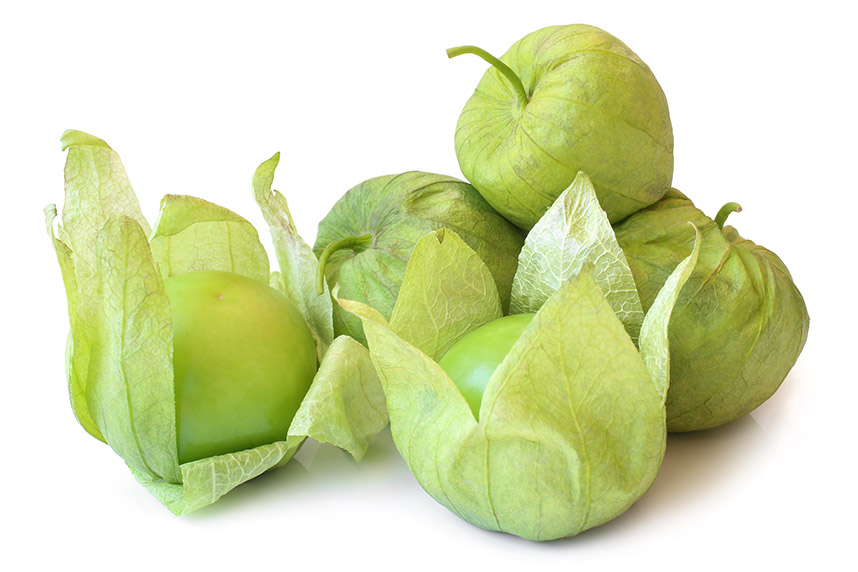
(365, 241)
(199, 366)
(569, 429)
(739, 324)
(561, 100)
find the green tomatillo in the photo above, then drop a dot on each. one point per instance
(472, 360)
(571, 427)
(739, 323)
(243, 359)
(186, 354)
(365, 241)
(565, 99)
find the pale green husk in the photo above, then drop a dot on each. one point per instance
(297, 262)
(119, 353)
(571, 428)
(397, 211)
(571, 233)
(593, 105)
(739, 325)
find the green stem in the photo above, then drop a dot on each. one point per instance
(350, 242)
(499, 65)
(725, 211)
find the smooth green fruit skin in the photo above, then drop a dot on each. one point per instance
(594, 106)
(739, 323)
(397, 211)
(472, 360)
(243, 359)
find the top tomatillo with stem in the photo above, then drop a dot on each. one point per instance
(565, 99)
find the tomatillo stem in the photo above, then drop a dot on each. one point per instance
(725, 211)
(350, 242)
(499, 65)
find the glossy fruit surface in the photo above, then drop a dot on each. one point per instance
(471, 361)
(243, 359)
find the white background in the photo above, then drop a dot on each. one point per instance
(194, 96)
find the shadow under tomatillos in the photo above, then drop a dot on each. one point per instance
(314, 470)
(694, 463)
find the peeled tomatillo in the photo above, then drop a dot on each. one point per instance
(243, 359)
(472, 360)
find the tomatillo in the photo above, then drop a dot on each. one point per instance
(472, 360)
(366, 239)
(243, 359)
(561, 100)
(739, 324)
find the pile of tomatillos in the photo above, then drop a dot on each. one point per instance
(514, 330)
